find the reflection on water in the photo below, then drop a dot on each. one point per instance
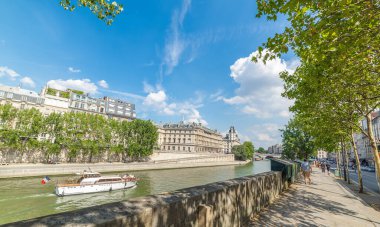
(25, 198)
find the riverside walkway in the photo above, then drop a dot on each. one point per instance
(323, 203)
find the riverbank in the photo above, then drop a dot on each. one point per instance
(24, 170)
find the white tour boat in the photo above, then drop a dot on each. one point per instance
(91, 182)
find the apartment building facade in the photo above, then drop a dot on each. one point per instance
(230, 140)
(21, 98)
(275, 149)
(52, 100)
(192, 137)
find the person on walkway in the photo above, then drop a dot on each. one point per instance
(328, 168)
(306, 170)
(323, 167)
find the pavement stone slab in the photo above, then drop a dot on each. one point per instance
(323, 203)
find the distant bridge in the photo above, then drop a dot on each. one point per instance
(260, 155)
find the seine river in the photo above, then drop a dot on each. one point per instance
(25, 198)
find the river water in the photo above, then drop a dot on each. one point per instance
(25, 198)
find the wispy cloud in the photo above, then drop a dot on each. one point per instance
(175, 43)
(7, 72)
(126, 94)
(73, 70)
(27, 81)
(158, 101)
(103, 84)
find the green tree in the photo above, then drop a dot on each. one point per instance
(239, 152)
(143, 138)
(9, 140)
(339, 42)
(261, 150)
(243, 152)
(28, 127)
(53, 128)
(297, 143)
(104, 10)
(249, 149)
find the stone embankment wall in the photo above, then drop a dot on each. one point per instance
(226, 203)
(22, 170)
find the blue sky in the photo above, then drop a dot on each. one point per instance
(185, 59)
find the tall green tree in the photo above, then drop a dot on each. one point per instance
(244, 151)
(339, 42)
(143, 138)
(296, 142)
(53, 132)
(261, 150)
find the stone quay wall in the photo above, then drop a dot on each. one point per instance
(227, 203)
(23, 170)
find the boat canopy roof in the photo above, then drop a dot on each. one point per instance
(91, 174)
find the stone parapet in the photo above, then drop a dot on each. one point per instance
(225, 203)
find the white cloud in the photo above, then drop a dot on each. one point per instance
(7, 72)
(260, 88)
(84, 85)
(73, 70)
(265, 135)
(103, 84)
(175, 43)
(157, 100)
(130, 95)
(27, 81)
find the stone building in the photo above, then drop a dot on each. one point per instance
(56, 101)
(321, 154)
(190, 137)
(116, 108)
(230, 140)
(275, 149)
(52, 100)
(21, 98)
(81, 102)
(363, 143)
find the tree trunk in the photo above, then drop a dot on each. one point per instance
(360, 179)
(347, 160)
(338, 163)
(374, 147)
(343, 161)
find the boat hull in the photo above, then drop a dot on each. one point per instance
(85, 189)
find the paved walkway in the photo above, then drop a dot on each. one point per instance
(323, 203)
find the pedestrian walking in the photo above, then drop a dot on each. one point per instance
(306, 170)
(323, 167)
(328, 168)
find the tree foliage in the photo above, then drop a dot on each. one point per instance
(338, 80)
(296, 143)
(243, 152)
(261, 150)
(81, 134)
(104, 10)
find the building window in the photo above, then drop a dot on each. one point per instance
(22, 106)
(168, 148)
(174, 140)
(188, 148)
(173, 148)
(184, 148)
